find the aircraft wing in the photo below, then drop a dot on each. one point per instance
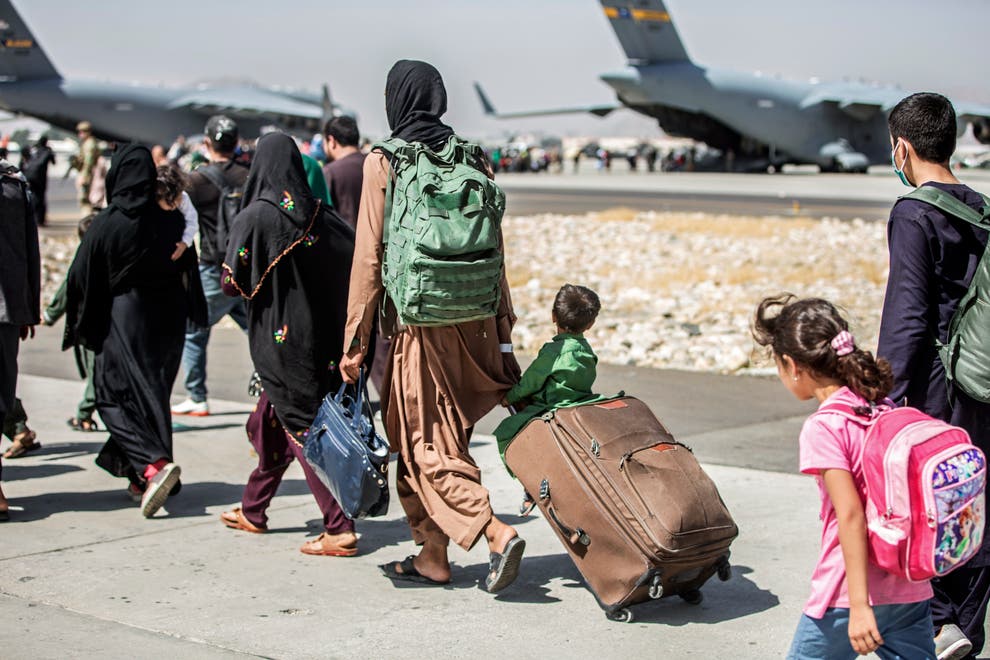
(486, 105)
(247, 102)
(972, 112)
(859, 101)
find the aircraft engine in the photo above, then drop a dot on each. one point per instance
(981, 130)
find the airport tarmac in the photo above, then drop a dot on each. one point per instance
(794, 193)
(798, 193)
(83, 575)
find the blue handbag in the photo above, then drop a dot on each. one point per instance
(346, 453)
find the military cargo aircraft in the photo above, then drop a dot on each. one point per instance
(758, 121)
(30, 85)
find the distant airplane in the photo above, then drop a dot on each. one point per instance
(30, 85)
(762, 121)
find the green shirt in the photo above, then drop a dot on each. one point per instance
(562, 374)
(314, 177)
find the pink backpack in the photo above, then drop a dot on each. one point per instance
(925, 485)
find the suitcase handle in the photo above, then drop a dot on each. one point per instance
(576, 535)
(667, 441)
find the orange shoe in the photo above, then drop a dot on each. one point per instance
(332, 545)
(235, 520)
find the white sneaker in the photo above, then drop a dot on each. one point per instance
(193, 408)
(951, 643)
(158, 489)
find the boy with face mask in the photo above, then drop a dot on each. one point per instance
(933, 257)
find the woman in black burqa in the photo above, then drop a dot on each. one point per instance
(129, 302)
(289, 256)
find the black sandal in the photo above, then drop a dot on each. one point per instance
(408, 572)
(86, 425)
(503, 567)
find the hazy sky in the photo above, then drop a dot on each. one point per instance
(527, 53)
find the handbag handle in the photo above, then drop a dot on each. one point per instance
(362, 400)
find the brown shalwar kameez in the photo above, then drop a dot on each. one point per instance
(442, 380)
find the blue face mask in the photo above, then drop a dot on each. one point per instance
(898, 171)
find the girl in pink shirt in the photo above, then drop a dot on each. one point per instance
(855, 607)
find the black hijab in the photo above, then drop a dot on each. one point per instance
(277, 211)
(116, 246)
(292, 262)
(415, 99)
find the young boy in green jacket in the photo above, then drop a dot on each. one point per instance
(563, 372)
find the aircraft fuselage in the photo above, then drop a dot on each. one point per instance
(738, 111)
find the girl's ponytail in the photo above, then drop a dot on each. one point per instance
(868, 377)
(813, 333)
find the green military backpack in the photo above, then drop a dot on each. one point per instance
(966, 351)
(443, 254)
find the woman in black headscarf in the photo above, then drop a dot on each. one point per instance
(442, 379)
(289, 256)
(128, 302)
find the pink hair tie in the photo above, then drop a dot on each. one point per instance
(843, 343)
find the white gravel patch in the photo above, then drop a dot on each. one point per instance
(679, 290)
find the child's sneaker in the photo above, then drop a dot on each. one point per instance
(951, 643)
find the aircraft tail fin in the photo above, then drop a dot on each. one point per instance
(21, 57)
(645, 30)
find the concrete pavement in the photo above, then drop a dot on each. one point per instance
(83, 574)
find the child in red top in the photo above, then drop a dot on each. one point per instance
(855, 607)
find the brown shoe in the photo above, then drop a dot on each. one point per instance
(235, 520)
(24, 443)
(332, 545)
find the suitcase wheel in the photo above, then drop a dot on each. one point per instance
(724, 571)
(692, 597)
(656, 589)
(624, 615)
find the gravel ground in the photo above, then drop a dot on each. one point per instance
(678, 290)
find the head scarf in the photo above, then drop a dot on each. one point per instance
(277, 213)
(415, 99)
(131, 180)
(121, 240)
(278, 177)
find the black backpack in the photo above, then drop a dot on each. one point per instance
(228, 205)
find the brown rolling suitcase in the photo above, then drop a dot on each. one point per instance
(636, 512)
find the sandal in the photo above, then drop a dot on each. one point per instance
(504, 566)
(85, 424)
(235, 520)
(405, 571)
(323, 545)
(24, 443)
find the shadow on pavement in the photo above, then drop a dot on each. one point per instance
(39, 507)
(724, 601)
(377, 534)
(736, 598)
(197, 496)
(63, 450)
(21, 472)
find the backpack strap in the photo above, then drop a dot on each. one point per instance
(214, 177)
(948, 204)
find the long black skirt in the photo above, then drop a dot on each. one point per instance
(133, 379)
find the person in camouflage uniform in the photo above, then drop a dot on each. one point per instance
(85, 163)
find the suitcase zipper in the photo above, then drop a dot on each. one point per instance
(569, 449)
